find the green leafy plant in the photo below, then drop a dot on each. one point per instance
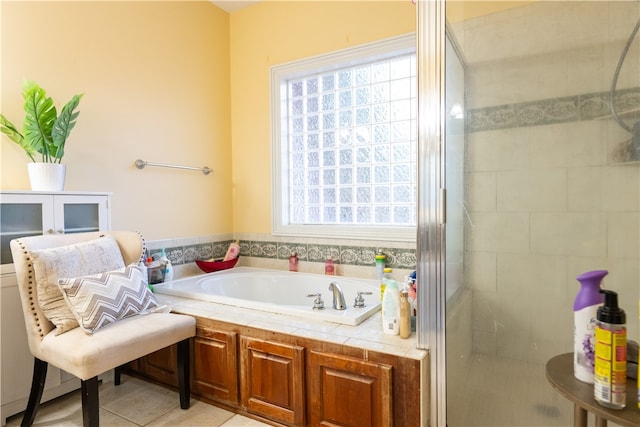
(43, 131)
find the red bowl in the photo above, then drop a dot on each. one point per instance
(217, 265)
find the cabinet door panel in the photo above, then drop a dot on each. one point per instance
(21, 216)
(162, 365)
(348, 392)
(215, 368)
(79, 214)
(272, 378)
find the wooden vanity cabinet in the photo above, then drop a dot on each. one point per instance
(293, 381)
(344, 391)
(272, 378)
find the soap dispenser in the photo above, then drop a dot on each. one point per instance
(610, 377)
(585, 307)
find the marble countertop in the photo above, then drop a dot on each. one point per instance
(367, 335)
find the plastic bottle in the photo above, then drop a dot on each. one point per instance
(405, 315)
(143, 267)
(168, 272)
(610, 376)
(381, 260)
(293, 262)
(329, 267)
(585, 307)
(386, 276)
(391, 308)
(233, 251)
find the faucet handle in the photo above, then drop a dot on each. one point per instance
(359, 302)
(318, 304)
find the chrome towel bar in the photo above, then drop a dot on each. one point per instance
(140, 164)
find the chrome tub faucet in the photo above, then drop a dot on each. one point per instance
(338, 296)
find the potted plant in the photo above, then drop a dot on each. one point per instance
(44, 132)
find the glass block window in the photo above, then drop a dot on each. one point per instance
(345, 143)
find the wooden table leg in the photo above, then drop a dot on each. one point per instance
(601, 422)
(580, 416)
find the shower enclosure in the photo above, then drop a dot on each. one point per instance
(533, 182)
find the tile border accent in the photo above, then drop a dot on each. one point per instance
(590, 106)
(400, 258)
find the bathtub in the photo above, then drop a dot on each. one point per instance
(280, 292)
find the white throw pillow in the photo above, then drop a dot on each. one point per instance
(99, 300)
(80, 259)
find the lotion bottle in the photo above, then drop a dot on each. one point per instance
(610, 376)
(233, 251)
(585, 308)
(391, 308)
(293, 261)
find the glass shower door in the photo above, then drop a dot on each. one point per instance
(550, 190)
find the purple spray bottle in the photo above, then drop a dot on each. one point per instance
(585, 309)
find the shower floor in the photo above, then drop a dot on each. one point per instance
(526, 397)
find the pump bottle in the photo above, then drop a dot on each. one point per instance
(610, 375)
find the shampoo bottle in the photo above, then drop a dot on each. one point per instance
(585, 307)
(391, 308)
(168, 272)
(610, 376)
(386, 276)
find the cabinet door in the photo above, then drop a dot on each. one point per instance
(161, 365)
(22, 216)
(215, 365)
(348, 392)
(80, 213)
(272, 378)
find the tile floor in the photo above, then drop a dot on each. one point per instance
(135, 403)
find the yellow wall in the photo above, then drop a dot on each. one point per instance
(177, 82)
(272, 33)
(156, 81)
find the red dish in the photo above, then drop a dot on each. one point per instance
(217, 265)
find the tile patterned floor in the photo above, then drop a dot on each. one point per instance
(136, 403)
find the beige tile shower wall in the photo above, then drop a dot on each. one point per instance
(546, 203)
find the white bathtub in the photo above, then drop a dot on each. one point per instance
(278, 291)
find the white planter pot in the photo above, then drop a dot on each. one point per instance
(47, 176)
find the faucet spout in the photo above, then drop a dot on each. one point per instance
(338, 296)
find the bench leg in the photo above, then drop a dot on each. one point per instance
(90, 402)
(117, 374)
(183, 373)
(37, 387)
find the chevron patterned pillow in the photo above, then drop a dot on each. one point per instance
(101, 299)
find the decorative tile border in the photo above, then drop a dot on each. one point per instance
(349, 255)
(589, 106)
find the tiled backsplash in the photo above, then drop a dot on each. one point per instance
(400, 258)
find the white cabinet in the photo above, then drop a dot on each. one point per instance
(30, 213)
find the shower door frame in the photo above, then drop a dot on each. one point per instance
(431, 37)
